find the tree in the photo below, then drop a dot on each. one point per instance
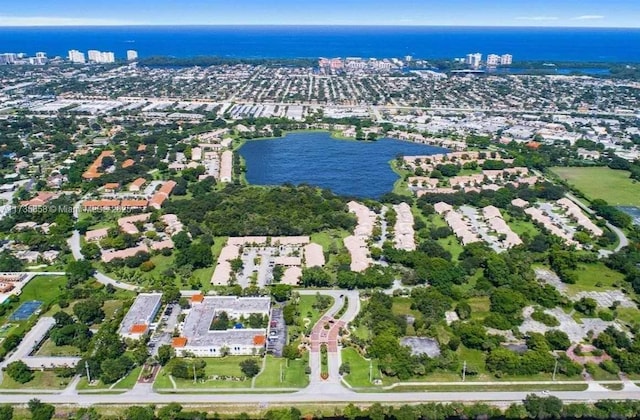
(114, 369)
(220, 322)
(200, 256)
(6, 412)
(139, 413)
(89, 311)
(8, 262)
(181, 240)
(250, 367)
(281, 292)
(78, 272)
(463, 309)
(90, 250)
(558, 340)
(586, 305)
(169, 411)
(19, 372)
(315, 277)
(507, 301)
(165, 353)
(62, 319)
(40, 410)
(543, 408)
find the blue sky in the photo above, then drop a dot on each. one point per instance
(588, 13)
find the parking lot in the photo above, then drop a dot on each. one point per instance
(164, 330)
(277, 332)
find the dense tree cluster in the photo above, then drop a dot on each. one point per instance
(281, 211)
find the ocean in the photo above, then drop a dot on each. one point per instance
(559, 44)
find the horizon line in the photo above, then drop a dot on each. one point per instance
(373, 25)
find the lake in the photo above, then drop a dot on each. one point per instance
(349, 168)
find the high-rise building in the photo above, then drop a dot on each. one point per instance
(506, 59)
(76, 57)
(101, 56)
(493, 60)
(8, 58)
(132, 55)
(474, 60)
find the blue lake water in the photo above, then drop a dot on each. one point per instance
(350, 168)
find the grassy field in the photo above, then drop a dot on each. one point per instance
(306, 309)
(486, 388)
(359, 376)
(611, 185)
(595, 277)
(48, 348)
(126, 383)
(479, 307)
(330, 239)
(41, 380)
(43, 288)
(292, 371)
(227, 366)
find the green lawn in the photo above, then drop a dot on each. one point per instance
(360, 368)
(480, 306)
(41, 380)
(497, 388)
(48, 348)
(306, 309)
(611, 185)
(227, 366)
(126, 383)
(521, 227)
(43, 288)
(330, 239)
(282, 373)
(595, 277)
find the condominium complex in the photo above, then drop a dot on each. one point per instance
(76, 57)
(101, 56)
(132, 55)
(137, 321)
(473, 60)
(199, 339)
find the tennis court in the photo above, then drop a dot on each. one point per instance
(25, 310)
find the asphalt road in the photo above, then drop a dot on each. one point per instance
(314, 395)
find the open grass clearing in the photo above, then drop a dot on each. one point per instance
(41, 380)
(222, 366)
(595, 277)
(487, 388)
(125, 383)
(363, 371)
(48, 348)
(613, 186)
(283, 373)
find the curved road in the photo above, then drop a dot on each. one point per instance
(622, 238)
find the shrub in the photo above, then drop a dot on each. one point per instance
(147, 266)
(545, 318)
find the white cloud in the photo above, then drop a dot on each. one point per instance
(58, 21)
(588, 17)
(537, 18)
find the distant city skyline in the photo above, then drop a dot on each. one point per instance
(547, 13)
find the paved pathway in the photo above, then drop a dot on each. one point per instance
(320, 335)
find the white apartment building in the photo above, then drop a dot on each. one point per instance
(506, 59)
(76, 57)
(101, 57)
(137, 321)
(493, 60)
(132, 55)
(197, 338)
(473, 60)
